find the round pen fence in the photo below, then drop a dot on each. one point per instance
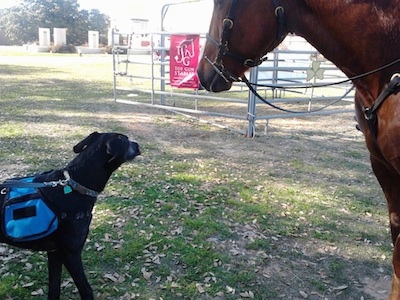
(293, 83)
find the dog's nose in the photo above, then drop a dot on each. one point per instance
(134, 150)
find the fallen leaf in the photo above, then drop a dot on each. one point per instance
(110, 277)
(234, 252)
(248, 294)
(28, 284)
(66, 283)
(200, 288)
(230, 290)
(156, 260)
(99, 247)
(39, 292)
(28, 266)
(177, 231)
(303, 294)
(146, 275)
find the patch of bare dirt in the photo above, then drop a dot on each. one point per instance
(377, 289)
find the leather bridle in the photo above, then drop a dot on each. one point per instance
(223, 45)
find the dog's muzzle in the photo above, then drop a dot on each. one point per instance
(133, 151)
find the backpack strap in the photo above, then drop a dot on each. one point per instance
(67, 182)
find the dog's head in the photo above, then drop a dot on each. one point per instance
(117, 145)
(105, 150)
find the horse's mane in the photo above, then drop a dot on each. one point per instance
(337, 6)
(382, 4)
(386, 12)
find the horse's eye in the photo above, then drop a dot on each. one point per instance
(218, 2)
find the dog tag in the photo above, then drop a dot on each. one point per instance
(67, 189)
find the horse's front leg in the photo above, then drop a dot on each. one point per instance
(54, 266)
(389, 180)
(395, 294)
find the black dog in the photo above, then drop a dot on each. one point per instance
(72, 193)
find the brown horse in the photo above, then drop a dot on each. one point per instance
(361, 37)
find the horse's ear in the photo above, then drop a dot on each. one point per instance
(85, 142)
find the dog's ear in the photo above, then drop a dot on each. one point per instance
(117, 146)
(85, 142)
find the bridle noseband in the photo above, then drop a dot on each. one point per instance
(223, 49)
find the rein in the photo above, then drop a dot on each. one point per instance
(370, 113)
(350, 79)
(265, 101)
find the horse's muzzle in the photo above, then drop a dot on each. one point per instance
(211, 79)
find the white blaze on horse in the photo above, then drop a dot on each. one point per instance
(361, 37)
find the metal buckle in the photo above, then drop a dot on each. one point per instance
(279, 9)
(228, 21)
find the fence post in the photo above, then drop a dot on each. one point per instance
(275, 74)
(164, 11)
(114, 63)
(152, 51)
(251, 104)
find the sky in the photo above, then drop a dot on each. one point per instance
(180, 17)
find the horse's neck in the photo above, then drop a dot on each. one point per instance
(358, 36)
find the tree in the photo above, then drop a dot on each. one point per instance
(99, 22)
(21, 23)
(16, 27)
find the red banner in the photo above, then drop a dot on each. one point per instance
(184, 58)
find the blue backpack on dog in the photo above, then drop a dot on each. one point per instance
(25, 214)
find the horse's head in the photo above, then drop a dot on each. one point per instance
(241, 33)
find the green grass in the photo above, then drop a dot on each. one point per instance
(204, 213)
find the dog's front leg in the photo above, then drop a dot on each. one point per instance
(73, 263)
(54, 267)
